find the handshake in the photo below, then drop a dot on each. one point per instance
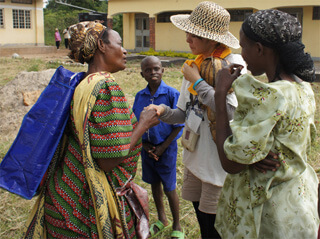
(149, 117)
(157, 108)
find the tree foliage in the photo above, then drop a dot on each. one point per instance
(118, 24)
(61, 16)
(58, 19)
(94, 5)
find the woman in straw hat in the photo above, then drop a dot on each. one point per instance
(86, 195)
(276, 116)
(208, 36)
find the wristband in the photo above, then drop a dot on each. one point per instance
(196, 83)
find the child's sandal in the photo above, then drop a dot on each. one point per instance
(160, 226)
(177, 234)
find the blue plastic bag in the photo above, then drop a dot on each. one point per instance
(28, 158)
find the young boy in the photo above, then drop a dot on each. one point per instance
(159, 152)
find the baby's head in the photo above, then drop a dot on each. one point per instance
(151, 69)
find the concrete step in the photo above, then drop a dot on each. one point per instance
(26, 50)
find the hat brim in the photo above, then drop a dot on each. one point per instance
(182, 22)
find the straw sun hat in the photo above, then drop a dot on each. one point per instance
(207, 20)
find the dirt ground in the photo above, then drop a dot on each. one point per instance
(11, 100)
(11, 95)
(61, 54)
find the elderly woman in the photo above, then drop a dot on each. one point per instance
(102, 147)
(277, 116)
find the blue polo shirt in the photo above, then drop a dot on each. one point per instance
(165, 95)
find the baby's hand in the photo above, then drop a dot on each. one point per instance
(191, 73)
(159, 109)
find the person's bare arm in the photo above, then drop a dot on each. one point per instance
(225, 79)
(148, 119)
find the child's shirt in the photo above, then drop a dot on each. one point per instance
(164, 95)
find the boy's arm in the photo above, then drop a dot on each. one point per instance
(162, 147)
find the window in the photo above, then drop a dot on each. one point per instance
(22, 1)
(316, 13)
(1, 18)
(21, 18)
(297, 12)
(239, 15)
(165, 16)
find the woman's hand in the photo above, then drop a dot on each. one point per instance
(191, 73)
(158, 108)
(270, 163)
(226, 77)
(149, 118)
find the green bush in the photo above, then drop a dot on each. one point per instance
(152, 52)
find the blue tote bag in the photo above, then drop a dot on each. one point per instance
(28, 158)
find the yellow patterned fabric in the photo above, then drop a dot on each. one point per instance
(35, 224)
(110, 220)
(106, 202)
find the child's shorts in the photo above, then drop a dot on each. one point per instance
(163, 170)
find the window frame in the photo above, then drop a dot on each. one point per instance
(21, 19)
(1, 18)
(164, 17)
(316, 13)
(22, 1)
(239, 17)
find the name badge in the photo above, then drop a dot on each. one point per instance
(194, 121)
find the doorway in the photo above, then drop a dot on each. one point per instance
(142, 32)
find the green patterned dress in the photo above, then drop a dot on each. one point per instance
(279, 117)
(69, 207)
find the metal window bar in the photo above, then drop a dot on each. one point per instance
(21, 19)
(28, 19)
(1, 19)
(15, 18)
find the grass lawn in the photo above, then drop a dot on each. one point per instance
(14, 210)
